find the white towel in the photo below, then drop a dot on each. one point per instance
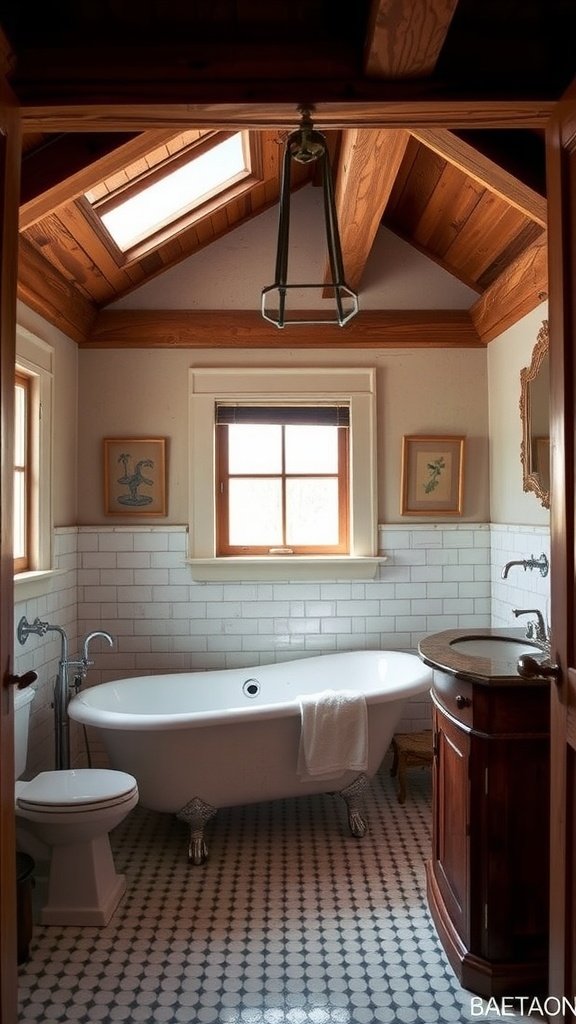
(334, 734)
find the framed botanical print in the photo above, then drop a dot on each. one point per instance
(432, 476)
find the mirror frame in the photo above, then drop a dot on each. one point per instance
(530, 479)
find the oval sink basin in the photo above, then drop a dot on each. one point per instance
(498, 648)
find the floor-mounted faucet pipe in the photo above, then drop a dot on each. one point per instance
(61, 686)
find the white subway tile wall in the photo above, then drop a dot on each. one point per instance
(134, 582)
(523, 588)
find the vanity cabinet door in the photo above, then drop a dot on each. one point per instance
(488, 873)
(513, 838)
(451, 828)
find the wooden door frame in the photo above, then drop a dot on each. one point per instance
(561, 137)
(425, 113)
(10, 151)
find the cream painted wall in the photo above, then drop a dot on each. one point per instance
(419, 392)
(65, 414)
(230, 273)
(507, 355)
(145, 393)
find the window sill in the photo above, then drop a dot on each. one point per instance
(286, 568)
(34, 584)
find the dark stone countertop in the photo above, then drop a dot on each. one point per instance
(501, 669)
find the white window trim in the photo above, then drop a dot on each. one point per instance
(36, 357)
(357, 386)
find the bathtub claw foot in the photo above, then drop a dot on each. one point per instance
(352, 795)
(196, 814)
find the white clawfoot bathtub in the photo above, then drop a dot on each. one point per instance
(198, 741)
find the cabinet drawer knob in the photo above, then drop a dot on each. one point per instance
(462, 702)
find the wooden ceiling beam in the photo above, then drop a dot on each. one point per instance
(368, 163)
(518, 290)
(388, 107)
(405, 37)
(246, 328)
(488, 173)
(66, 169)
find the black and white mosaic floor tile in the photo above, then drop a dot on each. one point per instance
(290, 921)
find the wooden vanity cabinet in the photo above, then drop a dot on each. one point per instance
(487, 878)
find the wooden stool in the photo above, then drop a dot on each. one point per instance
(411, 749)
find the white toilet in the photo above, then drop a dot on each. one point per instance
(72, 813)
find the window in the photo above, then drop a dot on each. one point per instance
(21, 472)
(32, 456)
(152, 205)
(282, 479)
(217, 550)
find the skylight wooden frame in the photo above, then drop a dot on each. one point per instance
(236, 186)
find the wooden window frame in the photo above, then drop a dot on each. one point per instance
(35, 361)
(354, 386)
(222, 476)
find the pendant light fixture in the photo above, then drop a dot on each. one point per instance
(306, 145)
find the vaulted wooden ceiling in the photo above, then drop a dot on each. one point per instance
(110, 86)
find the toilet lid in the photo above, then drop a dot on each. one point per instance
(81, 788)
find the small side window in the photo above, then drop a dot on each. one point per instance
(22, 472)
(33, 522)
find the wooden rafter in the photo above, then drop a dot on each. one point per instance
(43, 191)
(367, 167)
(518, 290)
(485, 171)
(47, 292)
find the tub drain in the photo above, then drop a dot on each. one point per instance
(251, 688)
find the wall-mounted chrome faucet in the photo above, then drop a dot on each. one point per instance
(536, 630)
(528, 563)
(63, 690)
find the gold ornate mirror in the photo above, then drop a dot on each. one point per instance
(535, 416)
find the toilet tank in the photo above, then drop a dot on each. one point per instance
(22, 705)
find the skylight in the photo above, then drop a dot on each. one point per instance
(170, 197)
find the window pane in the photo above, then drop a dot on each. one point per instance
(165, 200)
(19, 516)
(20, 425)
(254, 448)
(311, 512)
(311, 449)
(255, 511)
